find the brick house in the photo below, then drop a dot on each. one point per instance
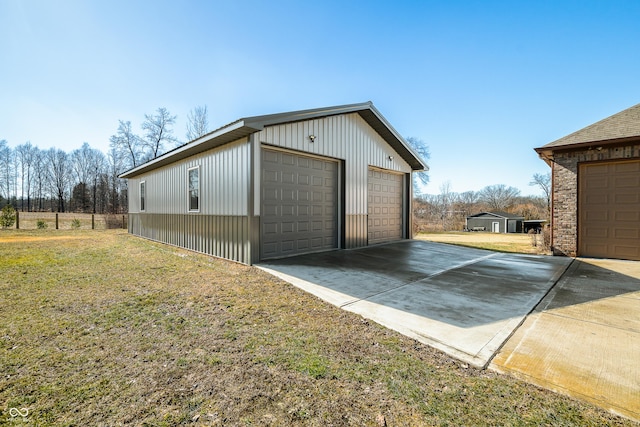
(595, 176)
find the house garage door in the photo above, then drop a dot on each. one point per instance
(384, 206)
(299, 204)
(609, 210)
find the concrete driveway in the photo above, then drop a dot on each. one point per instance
(463, 301)
(583, 339)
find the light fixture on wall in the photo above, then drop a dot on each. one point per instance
(391, 158)
(312, 138)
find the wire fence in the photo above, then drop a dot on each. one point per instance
(68, 221)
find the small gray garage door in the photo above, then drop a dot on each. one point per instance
(299, 204)
(384, 206)
(609, 210)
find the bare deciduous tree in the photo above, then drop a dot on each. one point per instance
(197, 123)
(159, 132)
(8, 171)
(422, 150)
(127, 145)
(87, 166)
(115, 184)
(499, 197)
(544, 182)
(59, 174)
(40, 178)
(25, 154)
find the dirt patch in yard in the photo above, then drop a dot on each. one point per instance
(110, 329)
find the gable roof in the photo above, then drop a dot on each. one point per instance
(620, 127)
(497, 214)
(248, 125)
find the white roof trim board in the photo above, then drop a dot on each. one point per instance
(248, 125)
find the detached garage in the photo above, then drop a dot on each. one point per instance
(280, 185)
(496, 222)
(596, 188)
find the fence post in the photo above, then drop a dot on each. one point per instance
(17, 220)
(56, 220)
(93, 223)
(123, 225)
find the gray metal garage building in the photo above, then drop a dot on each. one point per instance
(280, 185)
(496, 222)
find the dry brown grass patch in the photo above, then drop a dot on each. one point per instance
(108, 329)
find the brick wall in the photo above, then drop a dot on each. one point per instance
(565, 191)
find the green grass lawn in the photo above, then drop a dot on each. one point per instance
(501, 242)
(102, 328)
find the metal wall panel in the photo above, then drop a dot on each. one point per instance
(221, 236)
(224, 183)
(357, 235)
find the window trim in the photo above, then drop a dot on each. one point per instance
(142, 195)
(189, 209)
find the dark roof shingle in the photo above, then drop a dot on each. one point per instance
(620, 126)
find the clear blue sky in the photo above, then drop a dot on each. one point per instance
(481, 82)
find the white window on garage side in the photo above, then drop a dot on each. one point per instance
(143, 186)
(194, 188)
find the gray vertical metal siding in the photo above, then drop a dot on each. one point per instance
(349, 138)
(221, 236)
(224, 183)
(221, 226)
(228, 222)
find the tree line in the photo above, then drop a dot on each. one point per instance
(448, 210)
(86, 179)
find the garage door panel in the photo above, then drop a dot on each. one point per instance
(598, 182)
(630, 167)
(270, 210)
(627, 216)
(626, 199)
(384, 206)
(299, 204)
(288, 159)
(597, 215)
(269, 157)
(609, 209)
(627, 252)
(628, 182)
(627, 233)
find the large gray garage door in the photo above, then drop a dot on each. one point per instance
(299, 204)
(609, 210)
(384, 206)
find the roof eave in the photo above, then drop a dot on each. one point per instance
(248, 125)
(377, 121)
(547, 152)
(366, 110)
(229, 133)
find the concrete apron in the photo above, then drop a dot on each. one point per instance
(583, 339)
(463, 301)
